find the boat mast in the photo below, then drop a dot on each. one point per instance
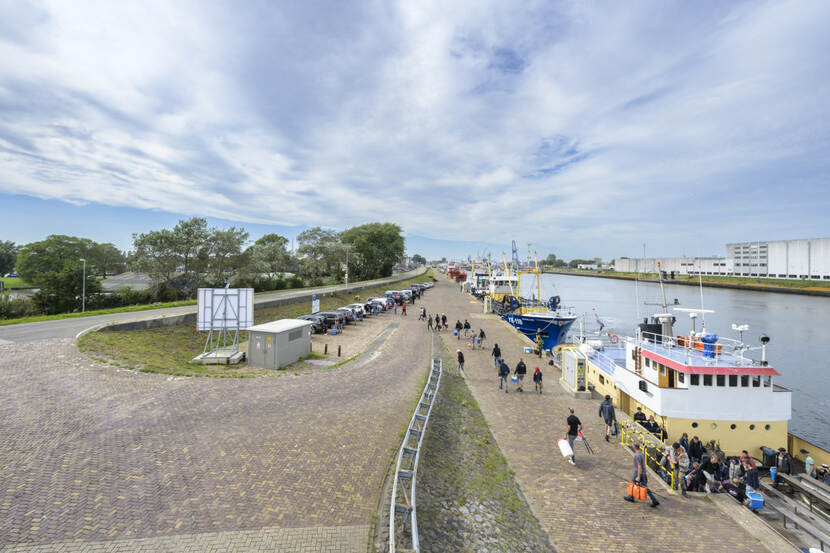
(538, 277)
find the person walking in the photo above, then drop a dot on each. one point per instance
(640, 476)
(466, 327)
(481, 337)
(437, 322)
(396, 308)
(444, 320)
(537, 380)
(606, 411)
(458, 327)
(520, 372)
(574, 428)
(504, 375)
(429, 323)
(460, 362)
(540, 343)
(403, 310)
(496, 355)
(809, 464)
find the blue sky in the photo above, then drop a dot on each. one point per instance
(584, 128)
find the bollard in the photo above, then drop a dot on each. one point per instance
(325, 349)
(338, 350)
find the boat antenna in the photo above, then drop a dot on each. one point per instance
(662, 289)
(637, 292)
(703, 311)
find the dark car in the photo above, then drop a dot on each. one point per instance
(318, 322)
(333, 318)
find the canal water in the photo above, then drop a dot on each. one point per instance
(798, 327)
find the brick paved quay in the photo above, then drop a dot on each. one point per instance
(100, 459)
(581, 507)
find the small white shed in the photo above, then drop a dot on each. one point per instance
(278, 343)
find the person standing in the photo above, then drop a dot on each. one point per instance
(574, 428)
(640, 476)
(458, 327)
(403, 310)
(496, 356)
(540, 343)
(460, 362)
(606, 411)
(679, 464)
(520, 372)
(537, 380)
(785, 464)
(809, 464)
(504, 374)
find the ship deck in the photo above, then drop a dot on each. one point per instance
(693, 361)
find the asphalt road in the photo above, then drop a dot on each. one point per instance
(69, 328)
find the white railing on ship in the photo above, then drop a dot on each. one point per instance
(723, 346)
(603, 362)
(403, 507)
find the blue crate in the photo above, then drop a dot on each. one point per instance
(756, 500)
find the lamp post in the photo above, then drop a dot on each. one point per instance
(83, 288)
(347, 247)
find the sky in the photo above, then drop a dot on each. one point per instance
(584, 128)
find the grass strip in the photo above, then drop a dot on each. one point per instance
(169, 349)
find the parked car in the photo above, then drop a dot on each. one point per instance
(318, 322)
(348, 313)
(382, 302)
(333, 317)
(357, 307)
(12, 275)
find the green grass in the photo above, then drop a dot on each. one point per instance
(733, 281)
(169, 349)
(125, 309)
(14, 282)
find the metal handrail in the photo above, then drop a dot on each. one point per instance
(411, 452)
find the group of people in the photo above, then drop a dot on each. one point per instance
(650, 424)
(519, 373)
(821, 472)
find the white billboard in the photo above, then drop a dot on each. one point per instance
(225, 309)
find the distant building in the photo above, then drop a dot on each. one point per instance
(797, 259)
(807, 258)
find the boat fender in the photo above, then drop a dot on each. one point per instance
(614, 338)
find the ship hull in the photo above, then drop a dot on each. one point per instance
(553, 328)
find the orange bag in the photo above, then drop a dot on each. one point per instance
(637, 491)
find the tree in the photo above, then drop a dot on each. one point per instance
(37, 260)
(61, 291)
(155, 254)
(269, 255)
(419, 259)
(106, 258)
(320, 254)
(574, 263)
(190, 242)
(8, 257)
(376, 248)
(553, 261)
(226, 251)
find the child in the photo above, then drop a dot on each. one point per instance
(537, 380)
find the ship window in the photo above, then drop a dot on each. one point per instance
(707, 379)
(662, 369)
(601, 379)
(721, 380)
(648, 362)
(767, 381)
(681, 377)
(733, 380)
(714, 425)
(695, 380)
(752, 427)
(744, 380)
(694, 425)
(767, 427)
(733, 426)
(756, 381)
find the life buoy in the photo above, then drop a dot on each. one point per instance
(614, 338)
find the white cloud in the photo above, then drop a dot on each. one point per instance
(582, 127)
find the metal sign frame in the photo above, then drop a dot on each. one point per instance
(222, 311)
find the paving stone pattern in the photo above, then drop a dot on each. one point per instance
(93, 453)
(581, 507)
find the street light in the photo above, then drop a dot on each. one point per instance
(347, 248)
(83, 293)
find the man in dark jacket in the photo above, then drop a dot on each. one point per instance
(520, 372)
(458, 327)
(785, 465)
(504, 374)
(639, 416)
(496, 356)
(696, 450)
(606, 411)
(460, 362)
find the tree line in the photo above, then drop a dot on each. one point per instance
(193, 255)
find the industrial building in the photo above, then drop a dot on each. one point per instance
(807, 258)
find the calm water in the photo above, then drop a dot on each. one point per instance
(799, 328)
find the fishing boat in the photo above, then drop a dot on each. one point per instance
(534, 317)
(699, 383)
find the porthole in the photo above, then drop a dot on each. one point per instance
(694, 425)
(752, 427)
(733, 426)
(713, 426)
(767, 427)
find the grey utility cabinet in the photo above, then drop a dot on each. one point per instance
(278, 343)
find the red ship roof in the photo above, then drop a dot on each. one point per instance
(715, 369)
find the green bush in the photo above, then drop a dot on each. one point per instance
(14, 308)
